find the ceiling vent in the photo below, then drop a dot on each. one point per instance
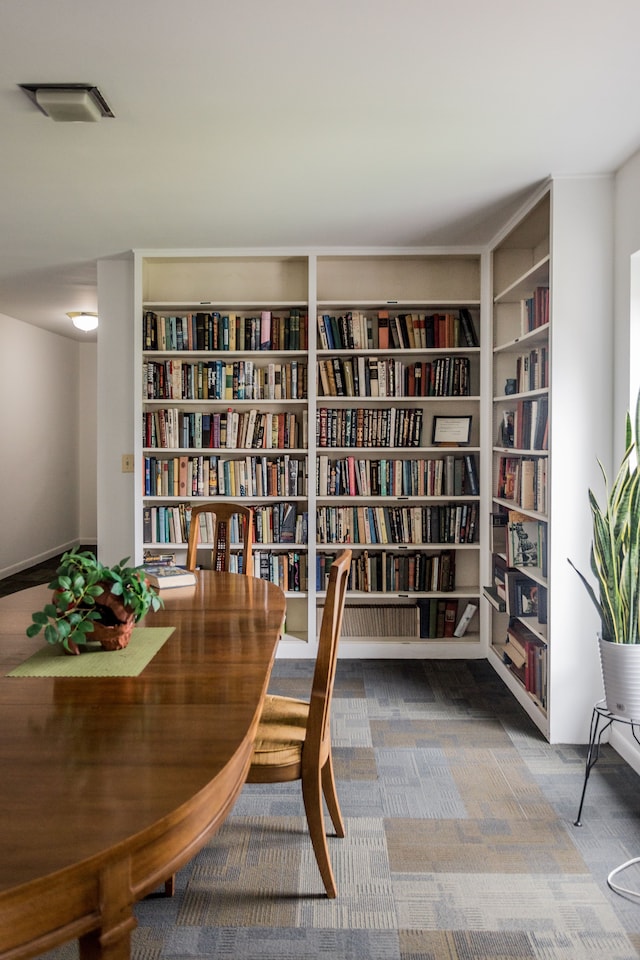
(68, 102)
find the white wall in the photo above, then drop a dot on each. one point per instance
(87, 442)
(580, 424)
(626, 344)
(626, 333)
(45, 388)
(116, 378)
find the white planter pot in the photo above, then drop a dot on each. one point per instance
(621, 675)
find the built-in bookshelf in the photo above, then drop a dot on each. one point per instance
(225, 407)
(499, 424)
(397, 345)
(549, 287)
(518, 590)
(340, 396)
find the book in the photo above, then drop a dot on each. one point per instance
(499, 522)
(428, 613)
(322, 332)
(383, 329)
(450, 616)
(468, 328)
(288, 524)
(265, 330)
(160, 559)
(542, 604)
(162, 577)
(491, 594)
(472, 474)
(500, 569)
(465, 620)
(523, 540)
(513, 650)
(527, 495)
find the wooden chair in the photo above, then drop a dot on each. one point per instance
(294, 737)
(222, 513)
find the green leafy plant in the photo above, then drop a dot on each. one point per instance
(615, 547)
(80, 583)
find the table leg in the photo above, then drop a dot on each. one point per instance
(112, 939)
(111, 945)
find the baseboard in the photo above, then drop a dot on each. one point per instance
(622, 741)
(38, 558)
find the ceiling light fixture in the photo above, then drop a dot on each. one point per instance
(68, 102)
(84, 320)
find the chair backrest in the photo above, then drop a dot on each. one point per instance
(222, 514)
(318, 724)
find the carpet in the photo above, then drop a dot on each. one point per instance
(460, 841)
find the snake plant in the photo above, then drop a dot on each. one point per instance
(615, 547)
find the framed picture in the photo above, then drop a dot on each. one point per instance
(451, 431)
(522, 595)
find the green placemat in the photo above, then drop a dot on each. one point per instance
(51, 661)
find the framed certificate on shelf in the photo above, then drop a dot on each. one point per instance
(451, 431)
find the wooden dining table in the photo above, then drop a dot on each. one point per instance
(109, 785)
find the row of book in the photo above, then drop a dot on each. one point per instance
(258, 476)
(170, 428)
(380, 620)
(363, 376)
(173, 429)
(213, 476)
(438, 523)
(177, 379)
(221, 330)
(280, 523)
(532, 370)
(393, 573)
(443, 619)
(349, 476)
(520, 538)
(391, 426)
(287, 569)
(537, 309)
(275, 523)
(172, 524)
(523, 480)
(526, 656)
(516, 593)
(358, 330)
(526, 426)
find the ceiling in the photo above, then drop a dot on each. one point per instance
(294, 123)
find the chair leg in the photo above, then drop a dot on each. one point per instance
(170, 886)
(312, 796)
(330, 795)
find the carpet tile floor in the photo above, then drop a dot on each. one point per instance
(460, 839)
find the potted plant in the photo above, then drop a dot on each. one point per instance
(615, 562)
(92, 601)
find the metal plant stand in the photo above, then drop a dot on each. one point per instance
(601, 719)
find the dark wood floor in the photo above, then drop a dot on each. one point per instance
(32, 576)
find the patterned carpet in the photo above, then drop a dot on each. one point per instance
(460, 840)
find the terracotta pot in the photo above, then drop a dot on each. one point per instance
(113, 637)
(114, 630)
